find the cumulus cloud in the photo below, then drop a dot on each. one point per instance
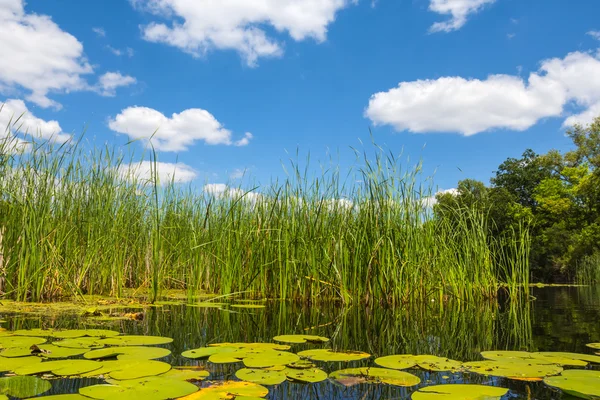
(110, 81)
(430, 201)
(17, 121)
(38, 56)
(470, 106)
(458, 10)
(221, 190)
(199, 26)
(176, 133)
(166, 172)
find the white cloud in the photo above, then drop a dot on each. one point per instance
(199, 26)
(237, 173)
(38, 56)
(128, 51)
(99, 31)
(459, 10)
(176, 133)
(166, 172)
(110, 81)
(221, 190)
(470, 106)
(245, 141)
(585, 118)
(430, 201)
(16, 121)
(594, 34)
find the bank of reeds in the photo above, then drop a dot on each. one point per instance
(587, 271)
(72, 221)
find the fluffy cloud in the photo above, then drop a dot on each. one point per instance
(458, 10)
(199, 26)
(221, 190)
(470, 106)
(430, 201)
(110, 81)
(16, 121)
(38, 56)
(176, 133)
(166, 172)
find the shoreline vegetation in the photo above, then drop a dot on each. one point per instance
(72, 222)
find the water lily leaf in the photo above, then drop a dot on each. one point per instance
(270, 359)
(128, 353)
(253, 346)
(136, 340)
(352, 376)
(437, 364)
(513, 369)
(593, 345)
(534, 358)
(190, 375)
(23, 386)
(400, 361)
(331, 355)
(37, 332)
(9, 342)
(62, 397)
(80, 343)
(10, 364)
(17, 352)
(229, 390)
(307, 375)
(135, 369)
(79, 333)
(574, 356)
(301, 364)
(206, 304)
(300, 339)
(228, 357)
(52, 351)
(205, 352)
(150, 388)
(59, 368)
(580, 383)
(261, 376)
(459, 391)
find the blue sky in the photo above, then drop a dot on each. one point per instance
(232, 85)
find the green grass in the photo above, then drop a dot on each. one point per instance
(71, 224)
(587, 271)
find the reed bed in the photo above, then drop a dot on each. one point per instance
(72, 222)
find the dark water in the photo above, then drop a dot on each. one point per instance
(560, 319)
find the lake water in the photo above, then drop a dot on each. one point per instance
(560, 319)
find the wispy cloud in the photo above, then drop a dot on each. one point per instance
(458, 10)
(100, 32)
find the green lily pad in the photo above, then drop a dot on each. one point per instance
(459, 391)
(261, 376)
(400, 361)
(186, 374)
(594, 345)
(79, 333)
(10, 364)
(52, 351)
(301, 364)
(534, 358)
(307, 375)
(580, 383)
(135, 369)
(59, 368)
(9, 342)
(128, 353)
(23, 386)
(80, 343)
(205, 352)
(229, 357)
(353, 376)
(37, 332)
(437, 364)
(225, 391)
(300, 339)
(253, 346)
(270, 359)
(150, 388)
(136, 340)
(331, 355)
(574, 356)
(514, 369)
(206, 304)
(62, 397)
(16, 352)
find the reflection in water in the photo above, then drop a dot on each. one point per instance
(560, 319)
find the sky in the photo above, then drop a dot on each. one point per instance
(230, 90)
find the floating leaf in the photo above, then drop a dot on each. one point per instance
(128, 353)
(23, 386)
(459, 391)
(10, 364)
(331, 355)
(136, 340)
(400, 361)
(300, 339)
(514, 369)
(574, 356)
(52, 351)
(135, 369)
(307, 375)
(593, 345)
(534, 358)
(17, 352)
(150, 388)
(226, 390)
(253, 346)
(79, 333)
(437, 364)
(63, 397)
(9, 342)
(301, 364)
(206, 304)
(270, 359)
(80, 343)
(353, 376)
(579, 383)
(190, 375)
(205, 352)
(261, 376)
(37, 332)
(59, 368)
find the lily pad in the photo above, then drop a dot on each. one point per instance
(17, 352)
(128, 353)
(270, 359)
(228, 390)
(261, 376)
(534, 358)
(52, 351)
(150, 388)
(186, 374)
(205, 352)
(437, 364)
(514, 369)
(136, 340)
(37, 332)
(459, 391)
(228, 357)
(307, 375)
(135, 369)
(594, 345)
(80, 343)
(79, 333)
(253, 346)
(59, 368)
(353, 376)
(62, 397)
(301, 364)
(9, 342)
(574, 356)
(331, 355)
(400, 361)
(10, 364)
(300, 339)
(23, 386)
(580, 383)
